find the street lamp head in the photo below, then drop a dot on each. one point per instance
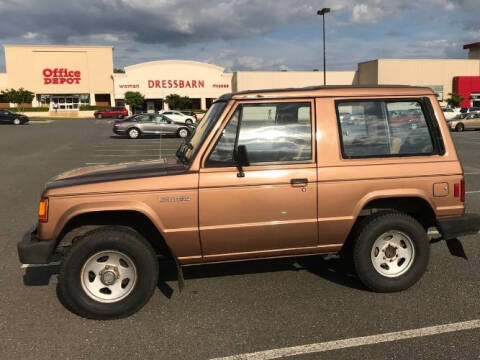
(323, 11)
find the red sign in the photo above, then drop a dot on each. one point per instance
(168, 84)
(61, 76)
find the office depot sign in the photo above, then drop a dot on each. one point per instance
(61, 76)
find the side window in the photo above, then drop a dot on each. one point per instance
(143, 118)
(383, 128)
(159, 119)
(222, 154)
(271, 133)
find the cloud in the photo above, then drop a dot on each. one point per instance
(233, 60)
(181, 22)
(238, 33)
(366, 14)
(30, 35)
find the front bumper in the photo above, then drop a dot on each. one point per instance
(455, 226)
(119, 131)
(33, 251)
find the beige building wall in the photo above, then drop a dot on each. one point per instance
(26, 67)
(426, 72)
(3, 81)
(474, 53)
(368, 73)
(254, 80)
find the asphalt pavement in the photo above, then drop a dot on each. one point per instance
(225, 309)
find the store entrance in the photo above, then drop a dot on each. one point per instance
(65, 102)
(475, 99)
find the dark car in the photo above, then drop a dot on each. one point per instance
(151, 124)
(9, 117)
(115, 112)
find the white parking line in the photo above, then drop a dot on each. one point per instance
(472, 192)
(355, 342)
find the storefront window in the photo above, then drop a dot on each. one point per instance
(438, 90)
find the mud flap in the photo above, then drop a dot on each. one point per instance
(181, 282)
(456, 248)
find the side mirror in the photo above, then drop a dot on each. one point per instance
(240, 156)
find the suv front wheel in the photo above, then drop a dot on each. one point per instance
(110, 273)
(391, 252)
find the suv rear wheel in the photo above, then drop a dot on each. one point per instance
(110, 273)
(391, 252)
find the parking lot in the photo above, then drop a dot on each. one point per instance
(225, 309)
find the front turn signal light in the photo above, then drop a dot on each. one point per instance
(43, 210)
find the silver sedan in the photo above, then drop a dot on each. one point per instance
(150, 124)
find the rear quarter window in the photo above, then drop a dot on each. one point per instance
(382, 128)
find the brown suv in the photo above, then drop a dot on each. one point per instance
(361, 170)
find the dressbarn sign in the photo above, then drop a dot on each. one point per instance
(61, 76)
(176, 84)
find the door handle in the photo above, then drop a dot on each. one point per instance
(299, 182)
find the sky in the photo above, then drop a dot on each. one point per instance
(248, 34)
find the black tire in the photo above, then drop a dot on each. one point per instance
(370, 230)
(459, 127)
(183, 133)
(99, 116)
(17, 121)
(188, 122)
(120, 116)
(117, 238)
(132, 131)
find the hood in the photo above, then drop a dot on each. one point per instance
(122, 171)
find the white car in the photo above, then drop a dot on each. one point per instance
(178, 116)
(450, 113)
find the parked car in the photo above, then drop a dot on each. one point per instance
(115, 112)
(466, 110)
(190, 113)
(266, 174)
(179, 117)
(450, 112)
(10, 117)
(150, 124)
(468, 121)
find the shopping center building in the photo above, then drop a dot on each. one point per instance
(66, 77)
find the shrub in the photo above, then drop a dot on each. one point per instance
(30, 109)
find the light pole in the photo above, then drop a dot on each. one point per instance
(323, 12)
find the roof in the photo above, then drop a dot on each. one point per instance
(174, 61)
(474, 45)
(57, 45)
(228, 96)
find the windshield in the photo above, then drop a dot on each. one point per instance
(203, 128)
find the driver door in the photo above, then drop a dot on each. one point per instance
(272, 209)
(147, 124)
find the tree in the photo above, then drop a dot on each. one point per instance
(177, 102)
(134, 99)
(118, 71)
(455, 100)
(19, 97)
